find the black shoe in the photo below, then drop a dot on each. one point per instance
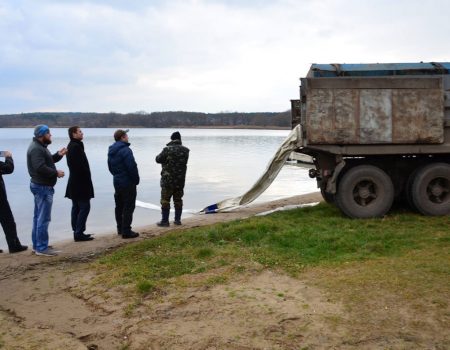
(163, 224)
(18, 249)
(177, 222)
(83, 238)
(132, 234)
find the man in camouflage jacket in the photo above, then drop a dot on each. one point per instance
(173, 159)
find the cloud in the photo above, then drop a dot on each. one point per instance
(197, 55)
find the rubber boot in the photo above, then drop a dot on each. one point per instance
(177, 220)
(164, 218)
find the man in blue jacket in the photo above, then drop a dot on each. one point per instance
(125, 173)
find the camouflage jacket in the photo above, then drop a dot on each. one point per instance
(173, 159)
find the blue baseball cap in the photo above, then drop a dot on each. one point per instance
(41, 130)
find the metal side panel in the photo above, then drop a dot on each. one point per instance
(375, 116)
(446, 82)
(346, 110)
(417, 116)
(447, 99)
(320, 116)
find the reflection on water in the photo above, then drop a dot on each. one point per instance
(222, 164)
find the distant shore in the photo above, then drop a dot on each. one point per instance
(174, 119)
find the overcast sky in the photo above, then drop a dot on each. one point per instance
(198, 55)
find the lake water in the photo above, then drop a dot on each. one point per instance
(223, 163)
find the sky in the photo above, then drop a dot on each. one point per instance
(198, 55)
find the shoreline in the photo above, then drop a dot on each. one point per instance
(86, 251)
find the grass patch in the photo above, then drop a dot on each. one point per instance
(145, 287)
(393, 295)
(288, 240)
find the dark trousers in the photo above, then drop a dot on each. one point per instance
(7, 220)
(80, 212)
(125, 199)
(167, 193)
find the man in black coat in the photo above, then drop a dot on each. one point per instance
(79, 187)
(6, 216)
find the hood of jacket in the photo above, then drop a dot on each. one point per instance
(117, 146)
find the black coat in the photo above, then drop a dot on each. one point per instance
(79, 186)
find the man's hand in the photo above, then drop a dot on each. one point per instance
(62, 152)
(59, 173)
(8, 154)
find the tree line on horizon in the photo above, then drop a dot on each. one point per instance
(148, 120)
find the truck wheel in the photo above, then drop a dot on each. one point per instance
(365, 191)
(408, 190)
(430, 189)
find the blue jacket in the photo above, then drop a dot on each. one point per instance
(122, 166)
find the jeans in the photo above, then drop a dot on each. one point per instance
(80, 212)
(125, 199)
(43, 200)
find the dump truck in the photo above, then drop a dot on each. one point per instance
(377, 133)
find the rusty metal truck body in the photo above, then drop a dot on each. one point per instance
(378, 133)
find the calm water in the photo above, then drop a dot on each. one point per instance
(222, 164)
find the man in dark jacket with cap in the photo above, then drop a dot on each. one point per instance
(79, 187)
(125, 173)
(6, 216)
(43, 173)
(173, 160)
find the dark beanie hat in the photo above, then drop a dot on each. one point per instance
(175, 136)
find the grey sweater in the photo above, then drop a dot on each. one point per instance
(41, 164)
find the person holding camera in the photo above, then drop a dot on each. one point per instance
(6, 216)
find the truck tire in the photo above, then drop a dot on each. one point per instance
(365, 191)
(430, 189)
(408, 191)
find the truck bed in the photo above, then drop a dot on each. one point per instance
(358, 114)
